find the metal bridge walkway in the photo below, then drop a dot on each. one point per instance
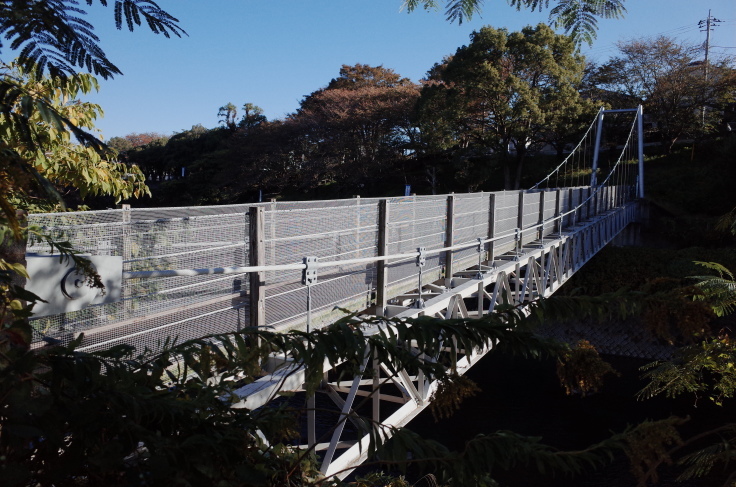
(301, 265)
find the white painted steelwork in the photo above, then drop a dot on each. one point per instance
(189, 272)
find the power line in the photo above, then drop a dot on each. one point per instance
(707, 25)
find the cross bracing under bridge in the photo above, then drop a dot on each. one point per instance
(189, 272)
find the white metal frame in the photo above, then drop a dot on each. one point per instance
(537, 264)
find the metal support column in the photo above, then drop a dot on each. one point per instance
(519, 224)
(540, 231)
(596, 149)
(309, 278)
(491, 228)
(640, 130)
(381, 265)
(558, 212)
(449, 236)
(257, 257)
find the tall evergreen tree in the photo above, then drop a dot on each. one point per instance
(502, 93)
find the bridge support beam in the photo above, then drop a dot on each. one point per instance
(257, 257)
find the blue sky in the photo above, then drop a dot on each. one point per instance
(274, 52)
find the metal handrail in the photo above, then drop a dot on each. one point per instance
(361, 260)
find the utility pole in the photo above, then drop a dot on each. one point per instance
(709, 24)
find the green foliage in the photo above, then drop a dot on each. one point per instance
(37, 119)
(37, 115)
(115, 417)
(579, 18)
(581, 369)
(719, 291)
(252, 117)
(648, 446)
(686, 99)
(720, 452)
(504, 93)
(228, 115)
(52, 36)
(704, 368)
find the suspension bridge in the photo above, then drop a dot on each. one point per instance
(190, 272)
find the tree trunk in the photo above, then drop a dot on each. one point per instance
(13, 251)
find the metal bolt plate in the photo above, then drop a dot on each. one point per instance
(309, 275)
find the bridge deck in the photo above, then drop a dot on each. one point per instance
(449, 253)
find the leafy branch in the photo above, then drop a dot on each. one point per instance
(52, 36)
(579, 18)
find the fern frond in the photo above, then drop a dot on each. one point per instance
(579, 18)
(530, 4)
(461, 10)
(727, 223)
(53, 36)
(715, 266)
(718, 291)
(701, 462)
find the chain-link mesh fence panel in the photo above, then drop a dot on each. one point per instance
(507, 218)
(415, 222)
(153, 310)
(346, 229)
(530, 217)
(550, 211)
(472, 215)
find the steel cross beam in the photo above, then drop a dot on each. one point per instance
(537, 271)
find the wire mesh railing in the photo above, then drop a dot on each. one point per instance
(173, 287)
(200, 270)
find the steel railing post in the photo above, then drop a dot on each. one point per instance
(491, 228)
(421, 261)
(571, 200)
(449, 236)
(382, 265)
(558, 211)
(127, 253)
(596, 150)
(257, 257)
(542, 197)
(519, 224)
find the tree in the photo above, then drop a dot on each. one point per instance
(40, 162)
(53, 36)
(41, 158)
(671, 83)
(121, 417)
(579, 18)
(133, 141)
(359, 132)
(228, 115)
(502, 92)
(705, 369)
(120, 144)
(364, 76)
(164, 159)
(252, 118)
(359, 125)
